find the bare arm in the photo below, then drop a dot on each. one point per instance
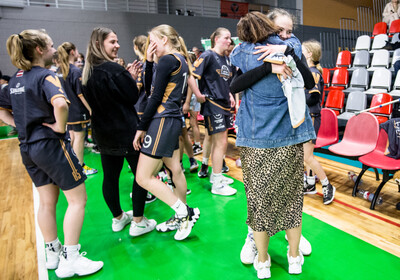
(7, 117)
(85, 103)
(61, 115)
(193, 86)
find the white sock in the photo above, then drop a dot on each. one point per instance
(70, 251)
(55, 244)
(205, 160)
(325, 182)
(217, 177)
(311, 180)
(197, 143)
(180, 208)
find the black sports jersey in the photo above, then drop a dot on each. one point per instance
(168, 86)
(29, 96)
(314, 95)
(73, 88)
(215, 74)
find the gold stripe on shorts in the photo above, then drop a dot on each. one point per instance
(160, 128)
(75, 173)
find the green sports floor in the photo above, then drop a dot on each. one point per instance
(212, 250)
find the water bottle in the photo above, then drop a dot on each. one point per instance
(353, 177)
(239, 163)
(368, 196)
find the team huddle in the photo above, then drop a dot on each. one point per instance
(137, 113)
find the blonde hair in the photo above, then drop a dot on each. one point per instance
(63, 52)
(21, 47)
(174, 40)
(314, 47)
(272, 15)
(217, 33)
(95, 53)
(255, 27)
(140, 43)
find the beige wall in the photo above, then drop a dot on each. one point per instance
(327, 13)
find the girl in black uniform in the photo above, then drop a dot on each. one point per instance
(312, 52)
(79, 110)
(39, 109)
(159, 128)
(112, 93)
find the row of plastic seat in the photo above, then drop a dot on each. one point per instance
(356, 102)
(382, 28)
(363, 140)
(362, 59)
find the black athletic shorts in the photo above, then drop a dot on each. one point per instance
(162, 137)
(77, 127)
(52, 161)
(218, 123)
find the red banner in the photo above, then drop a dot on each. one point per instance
(231, 9)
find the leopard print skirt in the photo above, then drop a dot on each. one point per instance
(273, 180)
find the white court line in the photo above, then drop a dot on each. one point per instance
(41, 256)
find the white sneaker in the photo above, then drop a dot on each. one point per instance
(144, 226)
(52, 257)
(295, 263)
(118, 225)
(304, 246)
(249, 250)
(263, 269)
(186, 223)
(169, 225)
(225, 180)
(222, 189)
(79, 265)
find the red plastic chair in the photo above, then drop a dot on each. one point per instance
(343, 59)
(335, 101)
(326, 76)
(383, 113)
(394, 27)
(379, 28)
(360, 136)
(328, 132)
(340, 79)
(377, 159)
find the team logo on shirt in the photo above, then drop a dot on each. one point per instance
(198, 62)
(17, 90)
(20, 73)
(224, 72)
(56, 82)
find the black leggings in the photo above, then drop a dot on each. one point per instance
(112, 166)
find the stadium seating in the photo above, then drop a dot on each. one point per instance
(363, 43)
(361, 59)
(394, 27)
(343, 59)
(379, 28)
(380, 59)
(335, 101)
(383, 113)
(381, 81)
(328, 132)
(340, 79)
(359, 81)
(356, 101)
(379, 42)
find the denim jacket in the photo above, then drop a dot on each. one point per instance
(263, 118)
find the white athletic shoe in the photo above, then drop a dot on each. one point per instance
(144, 226)
(263, 269)
(225, 180)
(118, 225)
(186, 223)
(169, 225)
(52, 257)
(79, 265)
(304, 246)
(222, 189)
(249, 250)
(296, 263)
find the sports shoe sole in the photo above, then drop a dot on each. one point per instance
(311, 192)
(333, 196)
(192, 222)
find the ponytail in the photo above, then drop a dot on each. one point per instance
(21, 47)
(63, 52)
(184, 51)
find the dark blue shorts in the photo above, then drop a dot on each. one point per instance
(77, 126)
(52, 161)
(162, 137)
(218, 123)
(317, 124)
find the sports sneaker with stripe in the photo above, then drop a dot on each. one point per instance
(222, 189)
(144, 226)
(186, 223)
(309, 189)
(88, 170)
(249, 250)
(225, 180)
(118, 225)
(169, 225)
(52, 256)
(328, 193)
(79, 265)
(296, 263)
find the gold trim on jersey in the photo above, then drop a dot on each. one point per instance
(180, 66)
(168, 90)
(78, 122)
(75, 173)
(57, 96)
(5, 109)
(160, 109)
(56, 82)
(216, 104)
(81, 94)
(160, 129)
(210, 127)
(314, 90)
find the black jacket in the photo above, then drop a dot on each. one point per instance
(112, 93)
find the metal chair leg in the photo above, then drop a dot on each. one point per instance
(364, 168)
